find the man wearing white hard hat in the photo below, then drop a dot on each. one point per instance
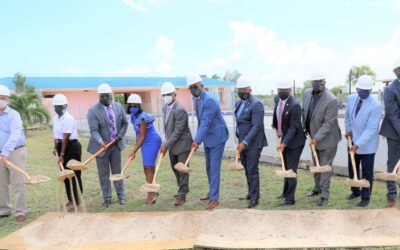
(12, 148)
(320, 121)
(212, 132)
(66, 145)
(287, 124)
(178, 137)
(107, 122)
(249, 113)
(391, 129)
(362, 118)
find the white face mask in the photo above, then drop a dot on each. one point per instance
(167, 99)
(3, 104)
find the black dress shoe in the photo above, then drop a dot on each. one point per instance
(252, 204)
(352, 196)
(106, 204)
(122, 201)
(363, 203)
(322, 202)
(287, 203)
(246, 198)
(281, 196)
(4, 216)
(312, 193)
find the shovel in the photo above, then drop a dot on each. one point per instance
(318, 168)
(389, 176)
(65, 173)
(77, 165)
(183, 168)
(355, 182)
(153, 187)
(31, 180)
(283, 172)
(236, 166)
(121, 176)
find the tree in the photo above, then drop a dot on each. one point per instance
(232, 76)
(216, 76)
(361, 70)
(27, 101)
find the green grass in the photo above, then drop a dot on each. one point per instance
(43, 198)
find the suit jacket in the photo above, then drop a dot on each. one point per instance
(212, 129)
(99, 126)
(292, 130)
(364, 126)
(250, 123)
(324, 121)
(177, 132)
(391, 122)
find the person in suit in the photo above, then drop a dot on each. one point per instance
(287, 123)
(178, 138)
(362, 118)
(213, 132)
(320, 121)
(107, 122)
(391, 129)
(249, 113)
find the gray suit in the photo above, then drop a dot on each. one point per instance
(178, 142)
(323, 126)
(99, 130)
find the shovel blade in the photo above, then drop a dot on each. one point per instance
(321, 169)
(182, 168)
(358, 183)
(118, 177)
(65, 174)
(235, 167)
(387, 176)
(150, 188)
(76, 165)
(37, 180)
(286, 174)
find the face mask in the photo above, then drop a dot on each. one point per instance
(244, 95)
(283, 95)
(196, 92)
(317, 88)
(167, 99)
(106, 100)
(3, 104)
(363, 94)
(60, 110)
(134, 111)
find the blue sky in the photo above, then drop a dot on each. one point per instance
(264, 40)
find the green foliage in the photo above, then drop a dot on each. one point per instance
(361, 70)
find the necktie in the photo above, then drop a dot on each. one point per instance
(358, 107)
(111, 121)
(280, 110)
(167, 115)
(197, 111)
(239, 112)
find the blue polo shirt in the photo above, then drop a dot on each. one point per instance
(11, 132)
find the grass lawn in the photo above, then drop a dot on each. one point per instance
(43, 198)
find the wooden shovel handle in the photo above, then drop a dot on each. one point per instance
(189, 157)
(18, 169)
(278, 141)
(160, 157)
(237, 156)
(396, 168)
(353, 161)
(126, 164)
(98, 152)
(314, 152)
(59, 163)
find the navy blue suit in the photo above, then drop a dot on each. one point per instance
(250, 131)
(294, 138)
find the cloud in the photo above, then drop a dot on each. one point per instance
(388, 3)
(163, 50)
(144, 5)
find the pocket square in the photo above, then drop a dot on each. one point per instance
(287, 112)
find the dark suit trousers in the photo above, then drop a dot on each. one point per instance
(322, 181)
(291, 157)
(393, 157)
(182, 179)
(367, 165)
(250, 159)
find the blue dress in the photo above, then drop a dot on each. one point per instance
(152, 142)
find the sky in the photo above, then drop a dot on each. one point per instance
(264, 40)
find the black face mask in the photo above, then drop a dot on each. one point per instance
(60, 110)
(244, 95)
(196, 92)
(283, 95)
(106, 99)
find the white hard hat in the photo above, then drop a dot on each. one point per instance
(60, 99)
(104, 88)
(134, 98)
(243, 83)
(4, 90)
(192, 79)
(315, 76)
(283, 84)
(397, 64)
(365, 82)
(167, 88)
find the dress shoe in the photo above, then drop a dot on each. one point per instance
(20, 218)
(122, 201)
(312, 193)
(281, 196)
(352, 196)
(205, 198)
(252, 204)
(246, 198)
(4, 216)
(286, 203)
(322, 202)
(212, 205)
(179, 201)
(106, 204)
(392, 202)
(363, 203)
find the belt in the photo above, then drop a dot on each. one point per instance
(60, 141)
(17, 147)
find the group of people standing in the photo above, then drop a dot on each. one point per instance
(316, 117)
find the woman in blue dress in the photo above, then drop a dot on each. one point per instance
(147, 139)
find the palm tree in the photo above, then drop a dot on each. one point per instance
(361, 70)
(27, 101)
